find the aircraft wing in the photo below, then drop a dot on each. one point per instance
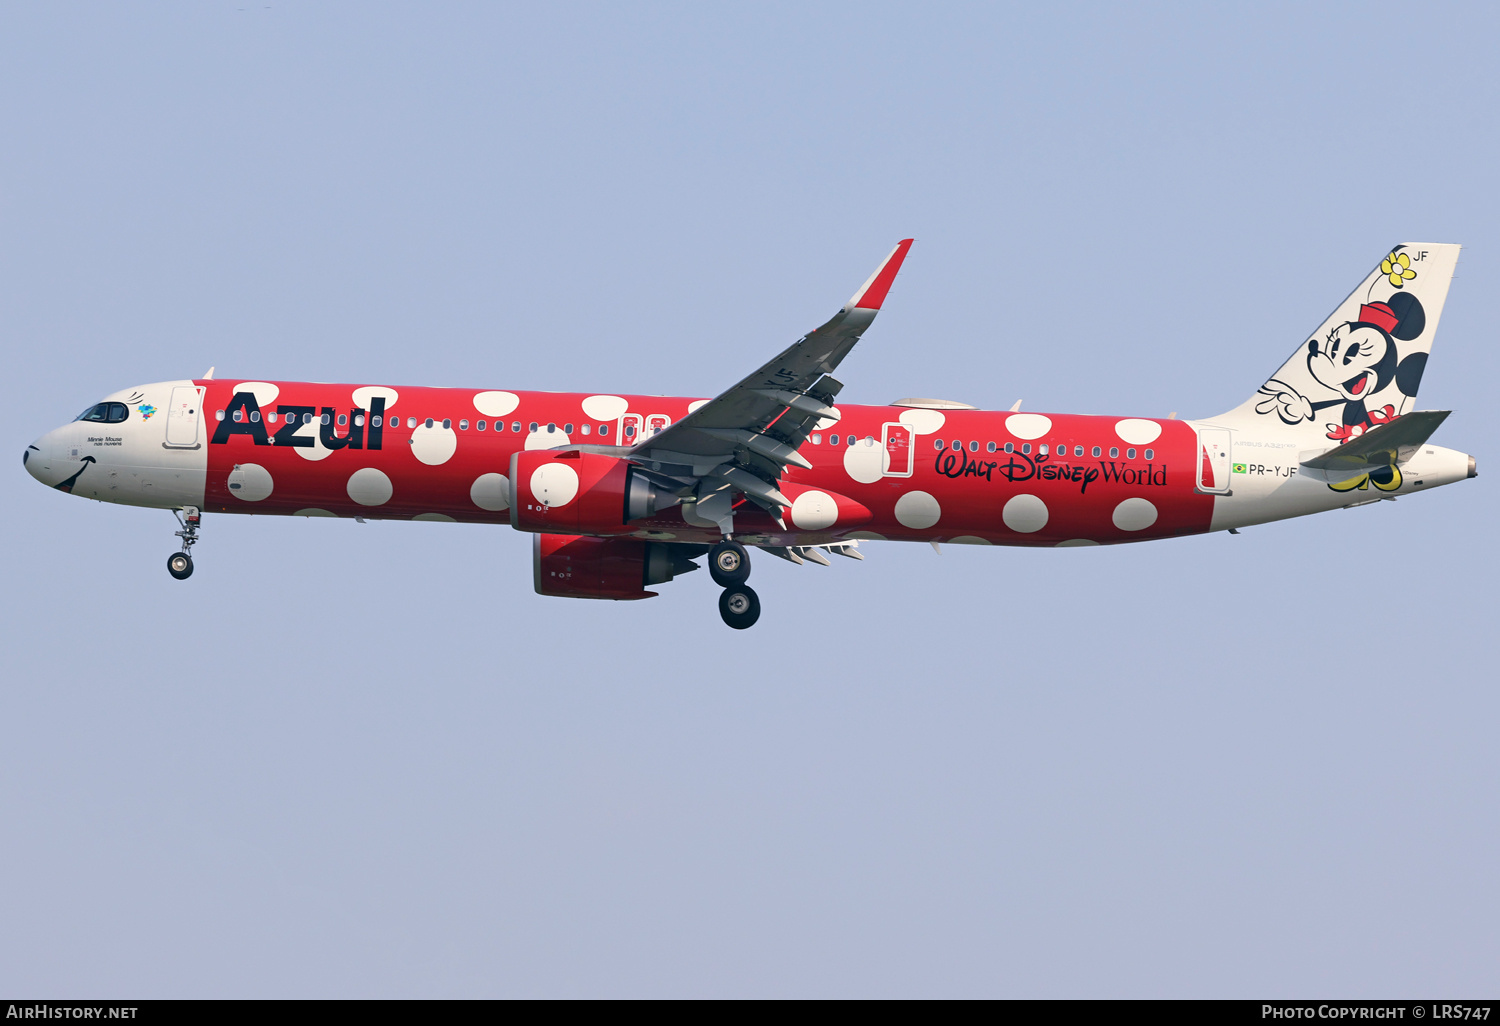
(743, 440)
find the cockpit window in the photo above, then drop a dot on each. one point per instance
(106, 413)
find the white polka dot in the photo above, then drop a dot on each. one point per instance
(265, 393)
(496, 404)
(313, 511)
(434, 445)
(369, 487)
(969, 539)
(1025, 514)
(824, 423)
(697, 404)
(316, 451)
(250, 482)
(917, 510)
(1028, 425)
(491, 492)
(439, 517)
(554, 484)
(923, 422)
(865, 463)
(813, 511)
(365, 396)
(541, 438)
(866, 536)
(1135, 515)
(1075, 543)
(1138, 432)
(605, 407)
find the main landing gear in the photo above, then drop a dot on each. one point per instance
(180, 564)
(729, 565)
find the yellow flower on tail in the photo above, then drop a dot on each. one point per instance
(1397, 267)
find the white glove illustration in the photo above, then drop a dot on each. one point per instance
(1289, 404)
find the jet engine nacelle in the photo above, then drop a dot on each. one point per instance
(580, 566)
(577, 492)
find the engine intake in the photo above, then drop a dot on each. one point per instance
(581, 566)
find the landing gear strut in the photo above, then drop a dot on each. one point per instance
(180, 564)
(729, 565)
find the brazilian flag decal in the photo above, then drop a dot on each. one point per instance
(1239, 468)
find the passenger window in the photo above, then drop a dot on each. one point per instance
(463, 425)
(343, 419)
(427, 422)
(1026, 447)
(817, 439)
(603, 430)
(307, 418)
(359, 419)
(1040, 452)
(939, 444)
(1077, 450)
(1130, 454)
(833, 439)
(479, 425)
(584, 429)
(1150, 454)
(411, 422)
(957, 445)
(629, 430)
(551, 429)
(990, 447)
(326, 420)
(853, 439)
(255, 416)
(870, 441)
(973, 446)
(1096, 452)
(239, 415)
(447, 424)
(534, 426)
(1011, 447)
(1114, 453)
(567, 429)
(270, 418)
(218, 415)
(515, 425)
(375, 420)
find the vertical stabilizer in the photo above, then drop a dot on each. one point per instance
(1363, 366)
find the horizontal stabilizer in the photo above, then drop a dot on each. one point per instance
(1384, 445)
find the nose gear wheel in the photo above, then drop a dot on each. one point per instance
(180, 564)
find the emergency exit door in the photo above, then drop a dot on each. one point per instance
(183, 415)
(1214, 460)
(898, 459)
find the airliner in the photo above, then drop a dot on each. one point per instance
(621, 493)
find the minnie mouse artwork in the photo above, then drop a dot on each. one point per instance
(1354, 366)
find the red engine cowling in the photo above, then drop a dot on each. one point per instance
(578, 492)
(579, 566)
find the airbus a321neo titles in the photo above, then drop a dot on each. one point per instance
(623, 492)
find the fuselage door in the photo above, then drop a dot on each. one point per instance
(1214, 460)
(183, 415)
(656, 424)
(630, 429)
(896, 438)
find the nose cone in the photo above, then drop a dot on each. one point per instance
(46, 461)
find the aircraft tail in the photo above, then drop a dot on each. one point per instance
(1360, 369)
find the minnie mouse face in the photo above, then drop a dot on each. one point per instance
(1356, 360)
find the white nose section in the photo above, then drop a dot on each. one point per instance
(46, 461)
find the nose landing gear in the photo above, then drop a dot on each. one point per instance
(180, 564)
(729, 565)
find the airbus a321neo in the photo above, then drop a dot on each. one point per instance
(623, 492)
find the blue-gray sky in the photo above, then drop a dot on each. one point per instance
(368, 760)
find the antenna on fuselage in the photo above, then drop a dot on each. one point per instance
(210, 375)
